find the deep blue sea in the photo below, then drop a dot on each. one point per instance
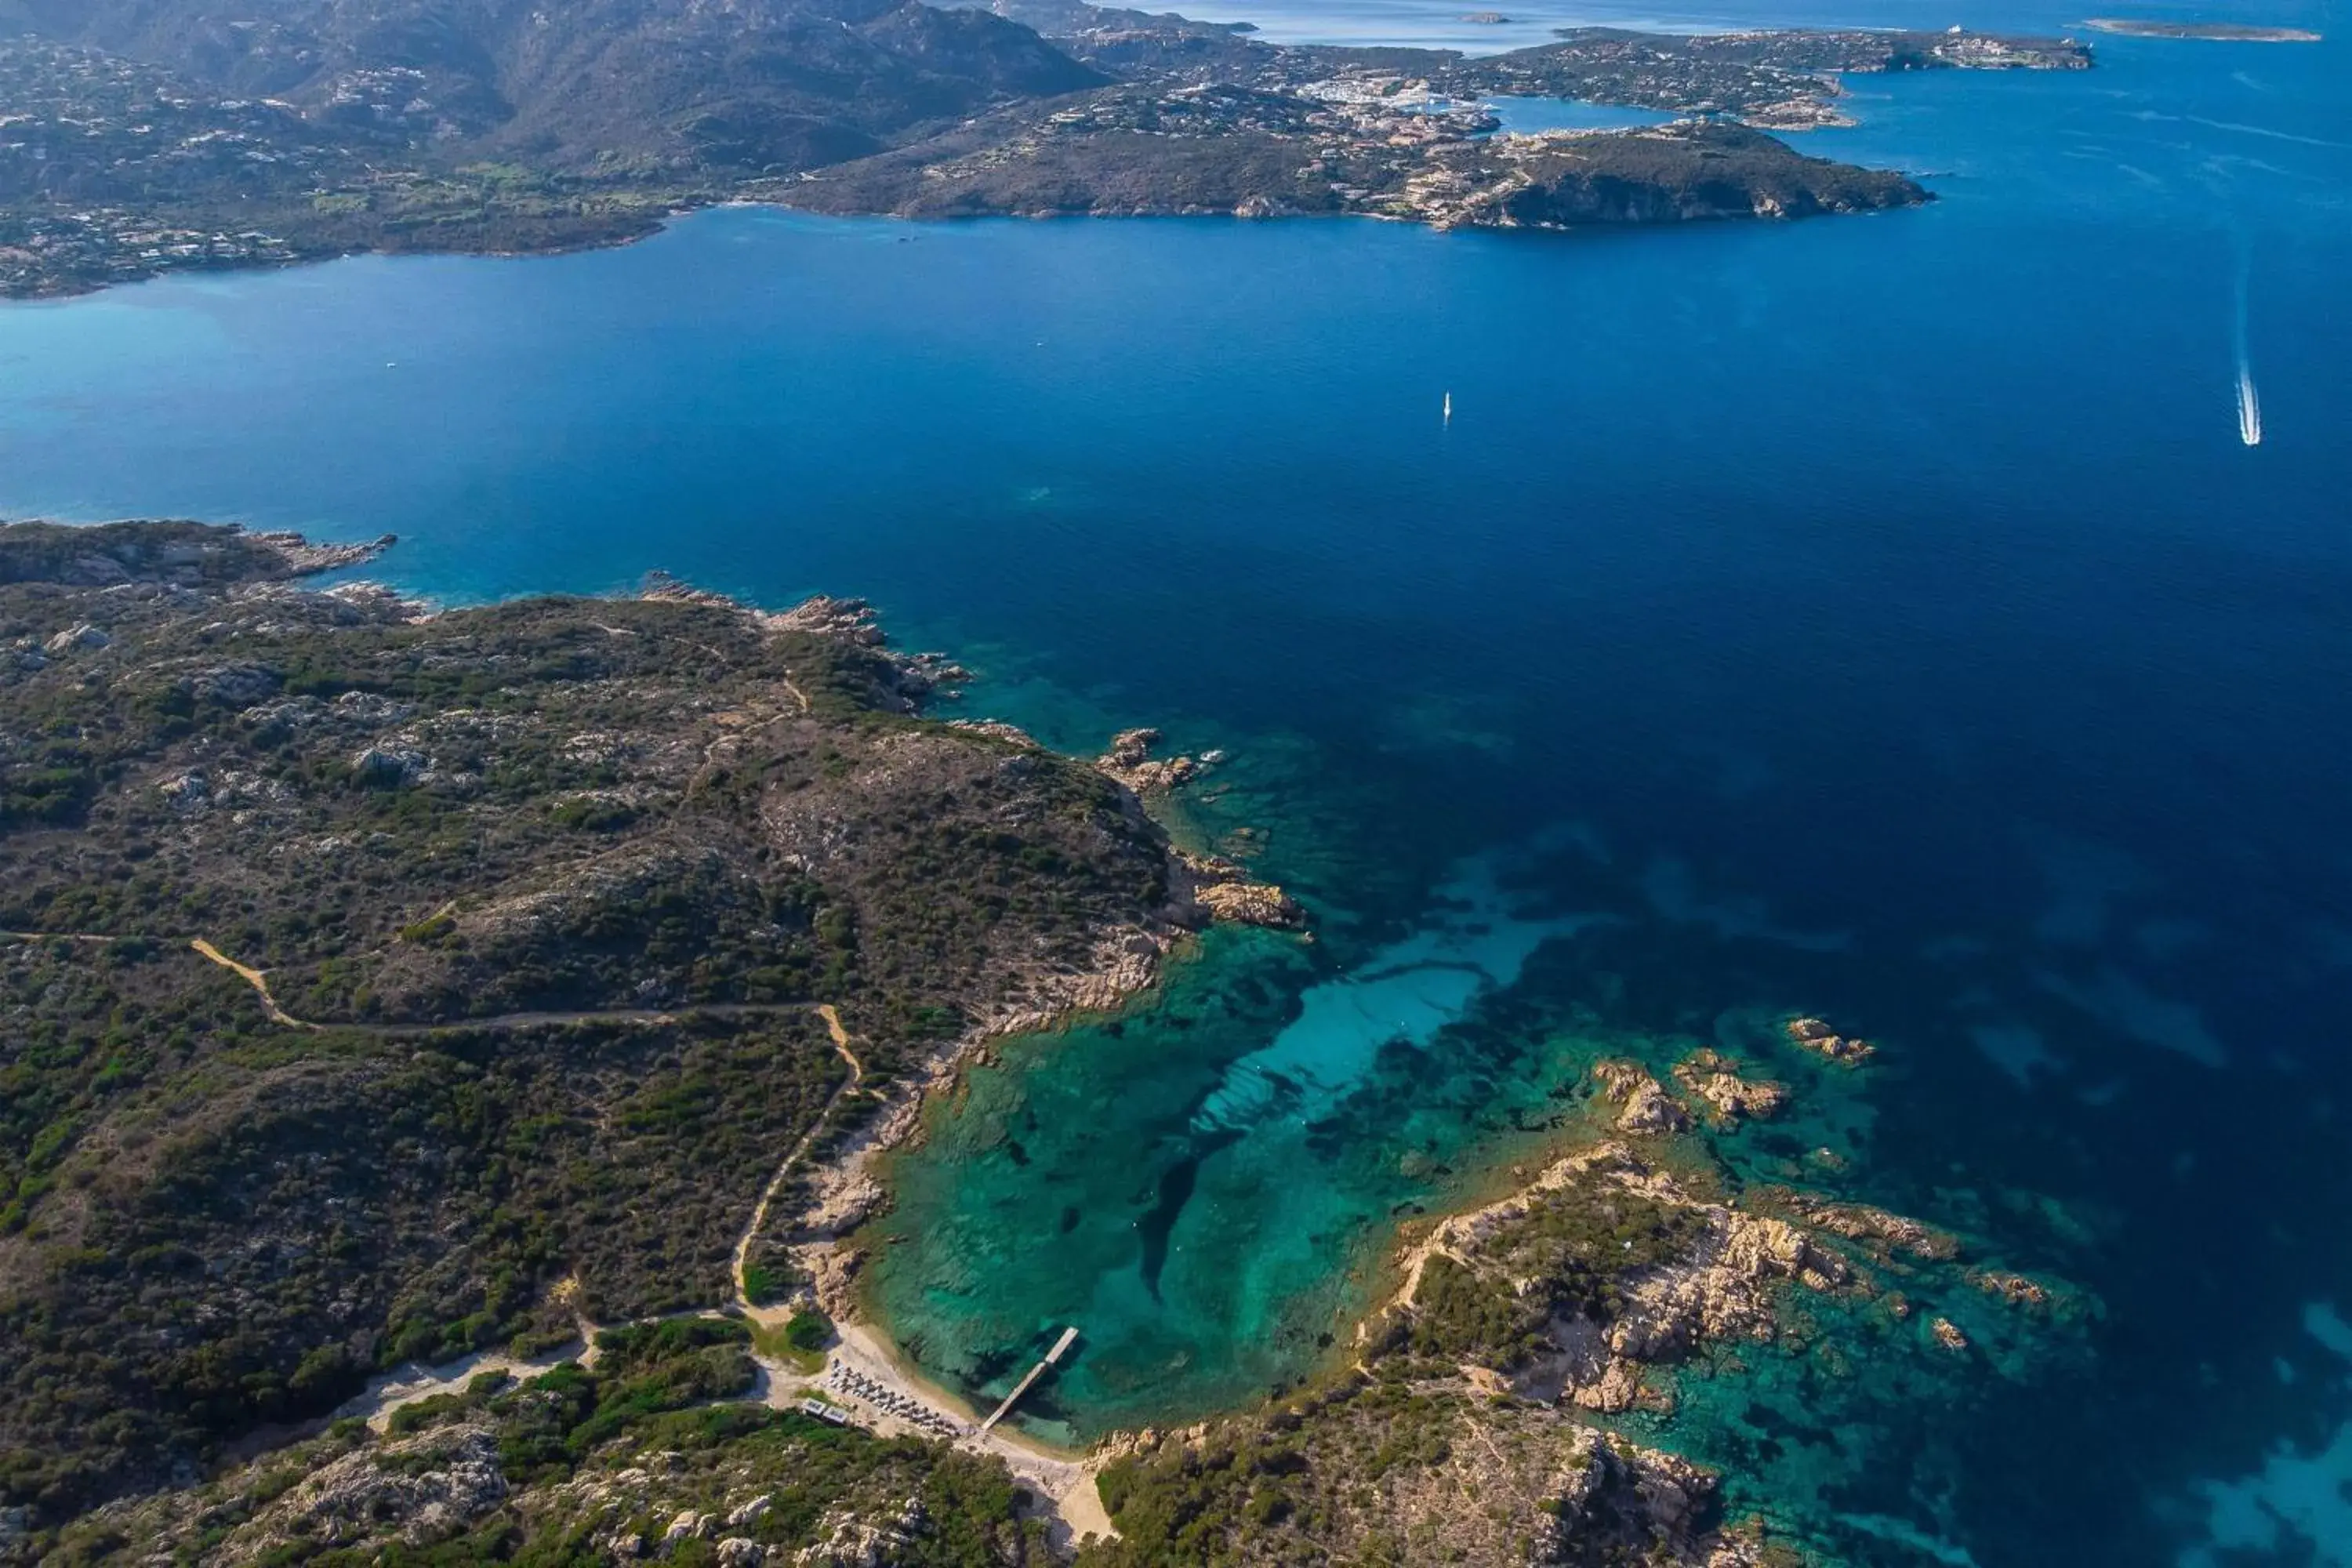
(1878, 616)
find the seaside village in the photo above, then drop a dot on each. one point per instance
(84, 135)
(91, 133)
(109, 245)
(1429, 143)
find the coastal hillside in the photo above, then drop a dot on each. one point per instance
(149, 136)
(144, 138)
(385, 986)
(1107, 160)
(757, 84)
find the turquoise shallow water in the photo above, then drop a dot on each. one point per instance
(1203, 1186)
(1878, 617)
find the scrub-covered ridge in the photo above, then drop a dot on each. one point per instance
(388, 986)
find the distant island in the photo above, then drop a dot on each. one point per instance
(1208, 122)
(1113, 163)
(2219, 32)
(141, 138)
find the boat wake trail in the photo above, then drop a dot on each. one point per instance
(2250, 407)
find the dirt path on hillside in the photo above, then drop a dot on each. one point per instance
(862, 1373)
(538, 1018)
(255, 978)
(833, 1026)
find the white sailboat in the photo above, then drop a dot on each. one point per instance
(1449, 408)
(2249, 409)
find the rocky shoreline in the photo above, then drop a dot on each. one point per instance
(1737, 1273)
(1586, 1290)
(1736, 1269)
(845, 1192)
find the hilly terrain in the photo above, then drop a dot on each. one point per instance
(384, 987)
(146, 136)
(610, 86)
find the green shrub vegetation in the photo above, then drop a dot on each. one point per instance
(587, 1457)
(1566, 1256)
(809, 1330)
(559, 883)
(550, 890)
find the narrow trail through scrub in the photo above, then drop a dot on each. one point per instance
(833, 1026)
(259, 980)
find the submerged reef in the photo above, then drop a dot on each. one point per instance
(1548, 1380)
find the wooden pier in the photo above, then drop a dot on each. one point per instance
(1052, 1358)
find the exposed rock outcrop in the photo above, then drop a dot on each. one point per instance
(389, 767)
(304, 558)
(83, 639)
(1645, 1107)
(419, 1492)
(1221, 890)
(850, 620)
(1816, 1036)
(1125, 963)
(850, 1540)
(1878, 1228)
(1723, 1288)
(1710, 1076)
(1609, 1487)
(1130, 761)
(239, 685)
(999, 729)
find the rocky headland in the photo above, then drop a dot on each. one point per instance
(1538, 1350)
